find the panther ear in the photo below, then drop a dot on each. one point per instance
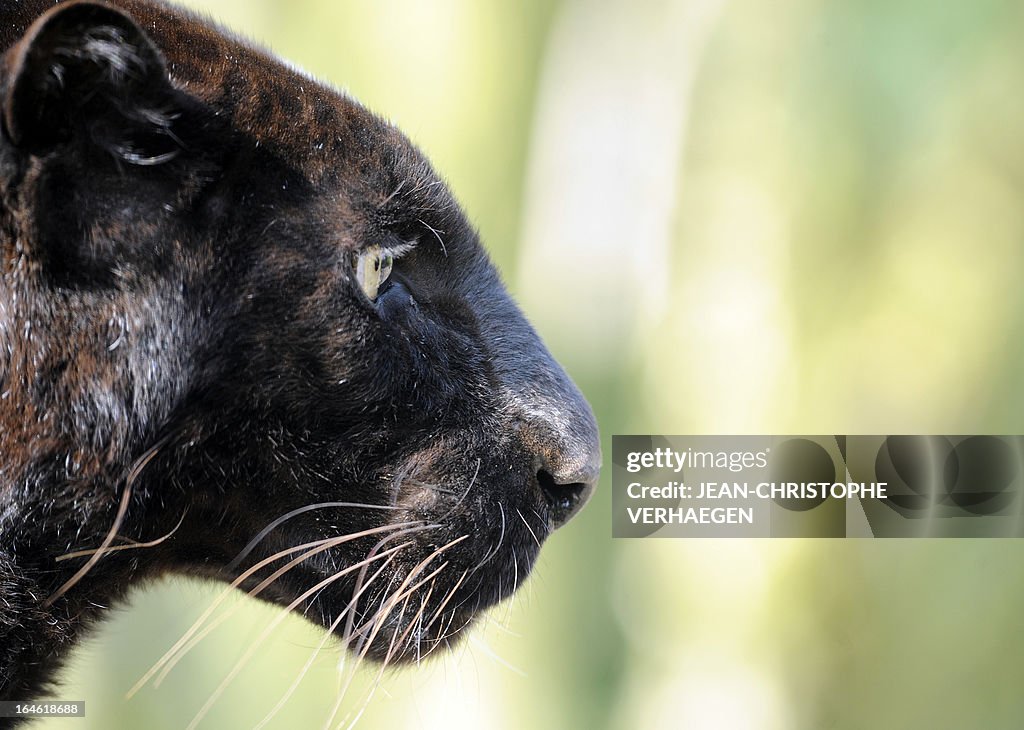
(85, 68)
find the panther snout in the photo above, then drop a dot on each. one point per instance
(547, 412)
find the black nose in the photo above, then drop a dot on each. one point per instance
(565, 497)
(568, 460)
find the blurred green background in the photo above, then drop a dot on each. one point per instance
(800, 216)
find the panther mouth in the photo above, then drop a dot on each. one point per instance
(416, 589)
(420, 607)
(453, 547)
(439, 575)
(396, 582)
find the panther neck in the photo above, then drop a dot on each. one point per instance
(46, 515)
(35, 633)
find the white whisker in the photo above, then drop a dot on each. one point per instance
(377, 620)
(482, 645)
(122, 509)
(532, 533)
(282, 615)
(179, 648)
(294, 513)
(323, 642)
(131, 545)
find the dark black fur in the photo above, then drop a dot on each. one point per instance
(180, 329)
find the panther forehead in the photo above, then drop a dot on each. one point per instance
(277, 104)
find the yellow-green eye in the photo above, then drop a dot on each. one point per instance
(373, 267)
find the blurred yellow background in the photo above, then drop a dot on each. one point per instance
(799, 216)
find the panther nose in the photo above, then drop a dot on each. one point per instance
(565, 496)
(568, 459)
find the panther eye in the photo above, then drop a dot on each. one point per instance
(373, 267)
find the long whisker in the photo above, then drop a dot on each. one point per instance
(486, 649)
(295, 513)
(350, 608)
(437, 234)
(354, 603)
(378, 620)
(325, 545)
(418, 633)
(421, 628)
(282, 615)
(122, 509)
(387, 657)
(346, 635)
(332, 542)
(132, 544)
(515, 582)
(448, 631)
(443, 634)
(444, 602)
(396, 640)
(323, 642)
(532, 533)
(170, 654)
(200, 628)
